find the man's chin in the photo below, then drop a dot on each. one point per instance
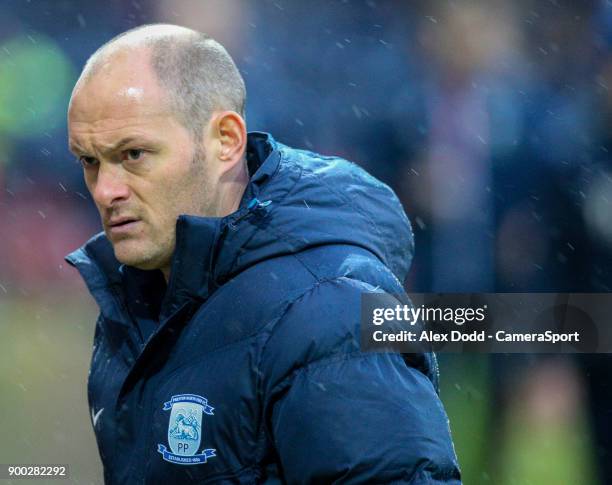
(135, 254)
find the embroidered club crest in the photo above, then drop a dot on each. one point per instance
(185, 430)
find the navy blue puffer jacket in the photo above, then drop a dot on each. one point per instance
(247, 367)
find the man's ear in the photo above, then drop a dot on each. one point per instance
(230, 131)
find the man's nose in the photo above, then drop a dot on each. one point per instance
(110, 186)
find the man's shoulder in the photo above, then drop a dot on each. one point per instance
(332, 169)
(328, 275)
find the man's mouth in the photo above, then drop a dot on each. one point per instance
(122, 225)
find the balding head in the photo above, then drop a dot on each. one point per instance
(195, 72)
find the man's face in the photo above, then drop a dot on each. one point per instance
(140, 163)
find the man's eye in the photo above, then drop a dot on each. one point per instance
(88, 161)
(133, 155)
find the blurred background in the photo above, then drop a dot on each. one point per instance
(491, 120)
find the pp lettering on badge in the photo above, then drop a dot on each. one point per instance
(185, 430)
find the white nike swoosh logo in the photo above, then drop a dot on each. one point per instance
(94, 417)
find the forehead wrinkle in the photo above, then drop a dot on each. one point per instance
(93, 129)
(74, 147)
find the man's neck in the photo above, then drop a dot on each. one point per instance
(233, 190)
(229, 201)
(166, 271)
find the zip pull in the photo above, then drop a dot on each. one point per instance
(252, 207)
(256, 203)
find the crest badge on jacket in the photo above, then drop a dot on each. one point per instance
(185, 430)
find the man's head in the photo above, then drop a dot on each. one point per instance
(156, 119)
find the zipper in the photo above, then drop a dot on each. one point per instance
(184, 312)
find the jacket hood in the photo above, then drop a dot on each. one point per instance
(295, 200)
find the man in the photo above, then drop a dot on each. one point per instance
(229, 277)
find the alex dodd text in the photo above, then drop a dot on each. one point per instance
(476, 336)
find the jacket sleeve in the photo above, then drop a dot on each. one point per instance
(354, 417)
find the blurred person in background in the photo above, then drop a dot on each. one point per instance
(228, 278)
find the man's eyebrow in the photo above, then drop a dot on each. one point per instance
(74, 148)
(121, 143)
